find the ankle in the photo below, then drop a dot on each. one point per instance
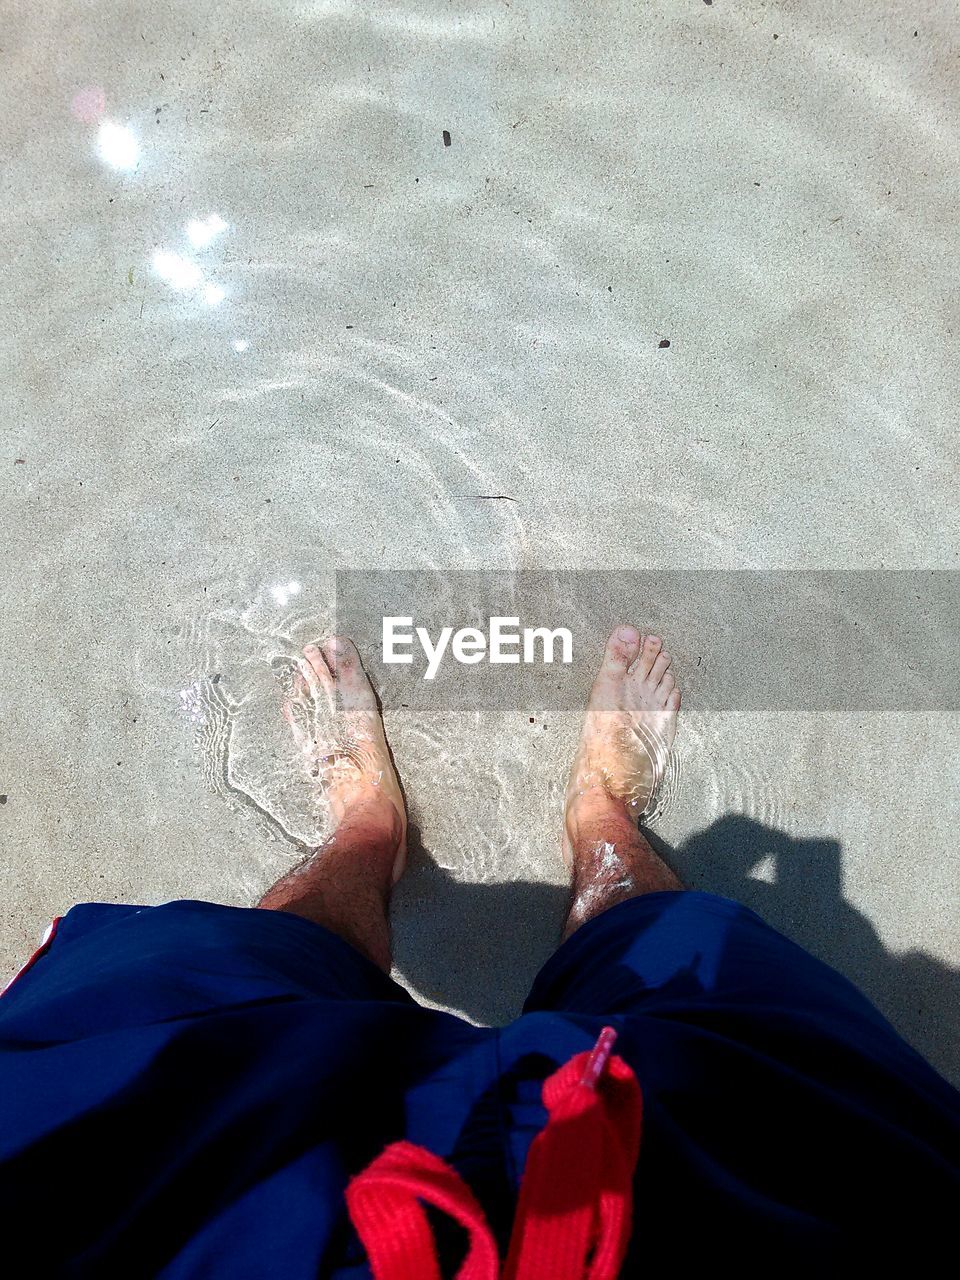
(370, 822)
(594, 814)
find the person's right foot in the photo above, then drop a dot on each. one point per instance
(346, 747)
(628, 730)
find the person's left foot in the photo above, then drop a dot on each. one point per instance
(346, 746)
(627, 732)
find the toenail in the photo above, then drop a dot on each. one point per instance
(653, 640)
(627, 633)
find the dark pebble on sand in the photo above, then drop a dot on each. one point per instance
(664, 342)
(3, 799)
(446, 137)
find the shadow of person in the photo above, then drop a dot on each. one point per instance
(796, 885)
(476, 948)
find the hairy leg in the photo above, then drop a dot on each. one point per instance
(628, 730)
(345, 883)
(612, 861)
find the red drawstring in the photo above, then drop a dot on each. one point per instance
(384, 1204)
(576, 1199)
(574, 1213)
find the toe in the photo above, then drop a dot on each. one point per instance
(648, 654)
(622, 648)
(673, 702)
(352, 686)
(659, 669)
(312, 679)
(314, 670)
(665, 688)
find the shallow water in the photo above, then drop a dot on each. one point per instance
(399, 354)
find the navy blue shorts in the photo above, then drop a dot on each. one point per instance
(186, 1090)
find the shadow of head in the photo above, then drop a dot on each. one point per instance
(796, 885)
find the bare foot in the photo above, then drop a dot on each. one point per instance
(337, 725)
(628, 730)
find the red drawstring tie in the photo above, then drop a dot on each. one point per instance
(574, 1212)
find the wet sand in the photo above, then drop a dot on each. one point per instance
(401, 354)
